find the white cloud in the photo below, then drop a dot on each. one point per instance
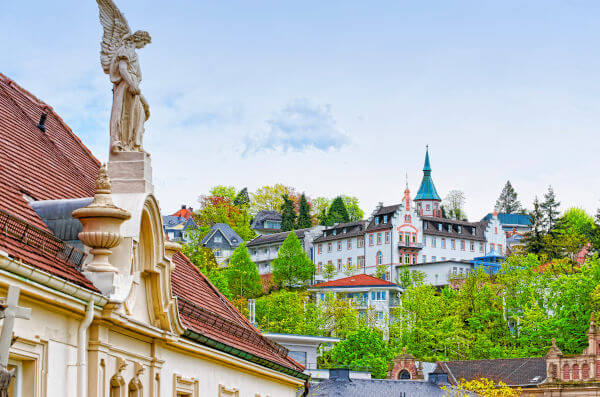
(299, 126)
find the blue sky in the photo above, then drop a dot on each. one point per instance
(337, 97)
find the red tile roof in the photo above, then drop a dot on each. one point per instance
(56, 165)
(222, 321)
(184, 213)
(43, 165)
(360, 280)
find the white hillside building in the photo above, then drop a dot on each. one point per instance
(410, 233)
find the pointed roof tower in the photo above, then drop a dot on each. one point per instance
(427, 190)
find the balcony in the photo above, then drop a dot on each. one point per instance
(409, 245)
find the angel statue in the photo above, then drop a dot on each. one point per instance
(119, 60)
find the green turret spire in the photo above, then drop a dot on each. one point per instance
(427, 190)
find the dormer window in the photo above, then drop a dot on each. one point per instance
(377, 220)
(459, 229)
(385, 219)
(440, 227)
(344, 230)
(334, 232)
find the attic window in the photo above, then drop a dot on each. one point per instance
(459, 228)
(385, 219)
(377, 220)
(334, 232)
(27, 197)
(344, 230)
(440, 227)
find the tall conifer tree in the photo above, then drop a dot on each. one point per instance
(288, 214)
(507, 202)
(337, 212)
(549, 208)
(304, 219)
(534, 239)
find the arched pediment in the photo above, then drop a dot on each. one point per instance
(146, 261)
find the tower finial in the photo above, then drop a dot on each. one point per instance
(407, 180)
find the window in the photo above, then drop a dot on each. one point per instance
(454, 270)
(360, 261)
(407, 259)
(360, 242)
(217, 253)
(349, 262)
(379, 258)
(385, 219)
(443, 258)
(414, 259)
(328, 247)
(500, 249)
(433, 258)
(414, 237)
(378, 238)
(440, 227)
(462, 245)
(339, 245)
(480, 247)
(433, 242)
(349, 246)
(492, 247)
(218, 239)
(370, 239)
(472, 246)
(444, 243)
(428, 207)
(377, 220)
(339, 267)
(453, 244)
(387, 237)
(424, 258)
(322, 297)
(320, 248)
(319, 267)
(459, 229)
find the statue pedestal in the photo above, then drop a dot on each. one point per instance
(130, 172)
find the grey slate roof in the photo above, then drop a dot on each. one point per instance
(522, 372)
(374, 387)
(57, 215)
(227, 232)
(275, 238)
(387, 210)
(352, 229)
(450, 228)
(262, 216)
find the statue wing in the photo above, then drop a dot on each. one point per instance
(115, 28)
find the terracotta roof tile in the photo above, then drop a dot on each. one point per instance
(215, 317)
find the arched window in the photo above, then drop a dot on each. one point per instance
(404, 375)
(585, 371)
(117, 386)
(575, 371)
(566, 372)
(379, 258)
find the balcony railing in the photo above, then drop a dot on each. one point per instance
(408, 244)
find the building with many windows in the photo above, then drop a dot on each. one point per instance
(410, 233)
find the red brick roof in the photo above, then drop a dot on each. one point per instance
(360, 280)
(224, 323)
(43, 165)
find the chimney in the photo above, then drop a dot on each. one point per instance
(341, 374)
(42, 124)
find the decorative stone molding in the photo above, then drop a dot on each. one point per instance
(101, 222)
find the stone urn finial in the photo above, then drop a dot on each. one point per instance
(101, 222)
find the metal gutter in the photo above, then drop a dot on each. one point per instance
(48, 280)
(243, 355)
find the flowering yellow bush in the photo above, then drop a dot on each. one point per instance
(482, 387)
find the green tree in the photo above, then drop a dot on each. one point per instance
(340, 318)
(407, 278)
(242, 199)
(352, 207)
(550, 209)
(507, 202)
(304, 220)
(220, 209)
(381, 271)
(363, 348)
(534, 238)
(288, 214)
(223, 191)
(288, 312)
(454, 204)
(337, 212)
(270, 197)
(329, 271)
(292, 266)
(242, 275)
(319, 208)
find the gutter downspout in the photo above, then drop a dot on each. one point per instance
(82, 350)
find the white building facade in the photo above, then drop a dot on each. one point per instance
(408, 234)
